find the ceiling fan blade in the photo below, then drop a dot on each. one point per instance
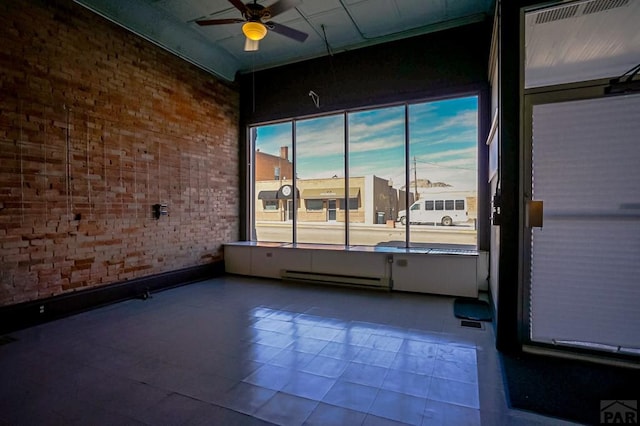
(239, 5)
(281, 6)
(205, 22)
(287, 31)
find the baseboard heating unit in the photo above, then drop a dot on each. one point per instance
(380, 283)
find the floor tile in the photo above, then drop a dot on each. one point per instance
(375, 357)
(456, 354)
(270, 377)
(341, 351)
(351, 395)
(331, 415)
(260, 353)
(364, 374)
(292, 359)
(456, 370)
(420, 348)
(325, 366)
(174, 409)
(407, 383)
(352, 336)
(246, 398)
(453, 392)
(384, 343)
(399, 407)
(285, 409)
(413, 363)
(309, 385)
(224, 416)
(442, 413)
(323, 333)
(309, 345)
(373, 420)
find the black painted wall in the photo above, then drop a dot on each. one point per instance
(426, 66)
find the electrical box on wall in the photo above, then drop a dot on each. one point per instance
(160, 210)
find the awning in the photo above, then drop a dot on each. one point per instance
(328, 193)
(267, 195)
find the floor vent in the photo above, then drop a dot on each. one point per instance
(5, 340)
(471, 324)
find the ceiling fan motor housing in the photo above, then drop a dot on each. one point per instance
(256, 12)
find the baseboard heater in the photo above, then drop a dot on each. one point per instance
(379, 283)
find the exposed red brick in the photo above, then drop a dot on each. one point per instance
(97, 126)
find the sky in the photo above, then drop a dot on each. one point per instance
(442, 141)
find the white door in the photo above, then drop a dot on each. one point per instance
(584, 270)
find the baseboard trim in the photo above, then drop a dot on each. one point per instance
(28, 314)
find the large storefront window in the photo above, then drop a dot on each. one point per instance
(376, 163)
(404, 175)
(273, 174)
(443, 144)
(320, 179)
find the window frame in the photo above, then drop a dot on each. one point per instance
(481, 95)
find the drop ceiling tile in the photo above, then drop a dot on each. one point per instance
(367, 17)
(338, 26)
(460, 8)
(419, 13)
(310, 8)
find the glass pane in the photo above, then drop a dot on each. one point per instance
(273, 194)
(320, 177)
(377, 176)
(443, 144)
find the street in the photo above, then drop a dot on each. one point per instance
(369, 235)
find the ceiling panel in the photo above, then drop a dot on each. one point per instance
(338, 27)
(309, 8)
(415, 13)
(367, 17)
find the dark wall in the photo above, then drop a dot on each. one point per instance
(420, 67)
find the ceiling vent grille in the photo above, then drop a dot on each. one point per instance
(600, 5)
(557, 14)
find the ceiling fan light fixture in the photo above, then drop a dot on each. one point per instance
(254, 30)
(251, 45)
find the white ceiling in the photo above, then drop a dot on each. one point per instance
(348, 25)
(581, 41)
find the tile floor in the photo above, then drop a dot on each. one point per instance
(244, 351)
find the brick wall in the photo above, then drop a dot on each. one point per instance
(267, 163)
(97, 126)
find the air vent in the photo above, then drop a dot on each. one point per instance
(471, 324)
(557, 14)
(600, 5)
(571, 11)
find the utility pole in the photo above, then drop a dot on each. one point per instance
(415, 178)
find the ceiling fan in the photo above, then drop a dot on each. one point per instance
(257, 20)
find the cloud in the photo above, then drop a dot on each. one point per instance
(470, 152)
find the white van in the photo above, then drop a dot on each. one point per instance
(446, 212)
